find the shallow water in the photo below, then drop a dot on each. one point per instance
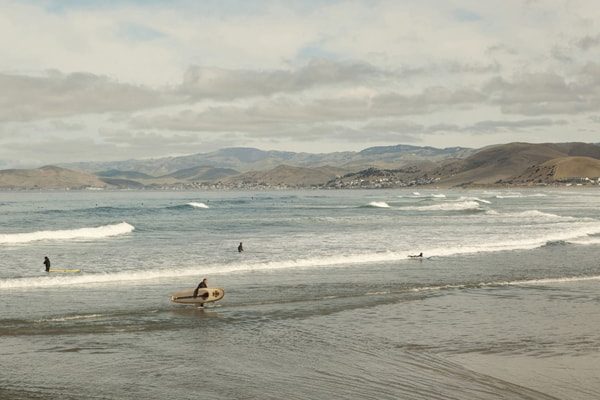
(324, 302)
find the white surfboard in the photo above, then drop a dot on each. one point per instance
(205, 295)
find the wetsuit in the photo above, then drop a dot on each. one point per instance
(200, 286)
(47, 264)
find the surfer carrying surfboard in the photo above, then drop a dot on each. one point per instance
(47, 263)
(201, 285)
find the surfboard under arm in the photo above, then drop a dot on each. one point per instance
(205, 295)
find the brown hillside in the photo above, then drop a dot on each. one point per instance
(48, 177)
(503, 162)
(285, 175)
(564, 168)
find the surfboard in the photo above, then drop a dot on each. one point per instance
(64, 270)
(205, 295)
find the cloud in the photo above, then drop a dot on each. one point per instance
(219, 83)
(491, 126)
(157, 78)
(588, 42)
(149, 139)
(274, 114)
(547, 92)
(402, 127)
(110, 146)
(67, 125)
(26, 98)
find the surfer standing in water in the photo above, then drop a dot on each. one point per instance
(240, 248)
(47, 263)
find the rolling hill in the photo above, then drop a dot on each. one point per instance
(386, 166)
(201, 173)
(501, 163)
(287, 176)
(48, 177)
(560, 169)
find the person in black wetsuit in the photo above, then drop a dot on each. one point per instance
(201, 285)
(47, 263)
(240, 248)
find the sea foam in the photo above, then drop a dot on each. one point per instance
(68, 234)
(379, 204)
(536, 215)
(477, 199)
(197, 205)
(578, 234)
(449, 206)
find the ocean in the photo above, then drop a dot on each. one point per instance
(324, 303)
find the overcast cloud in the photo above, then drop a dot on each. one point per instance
(100, 80)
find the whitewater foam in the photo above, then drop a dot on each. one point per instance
(524, 282)
(477, 199)
(68, 234)
(587, 241)
(525, 243)
(70, 318)
(379, 204)
(519, 195)
(536, 215)
(197, 205)
(451, 206)
(579, 234)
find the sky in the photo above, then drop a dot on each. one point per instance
(114, 80)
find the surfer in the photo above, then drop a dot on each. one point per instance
(240, 248)
(47, 263)
(201, 285)
(420, 255)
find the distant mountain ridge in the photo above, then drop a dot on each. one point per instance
(511, 164)
(246, 159)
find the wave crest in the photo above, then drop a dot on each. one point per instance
(197, 205)
(68, 234)
(378, 204)
(454, 206)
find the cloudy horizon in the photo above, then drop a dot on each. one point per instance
(104, 81)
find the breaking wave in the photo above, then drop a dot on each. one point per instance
(68, 234)
(536, 215)
(453, 206)
(378, 204)
(519, 195)
(477, 199)
(197, 205)
(580, 235)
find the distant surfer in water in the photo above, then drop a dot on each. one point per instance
(420, 255)
(201, 285)
(240, 248)
(47, 263)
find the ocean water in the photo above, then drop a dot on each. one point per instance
(324, 303)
